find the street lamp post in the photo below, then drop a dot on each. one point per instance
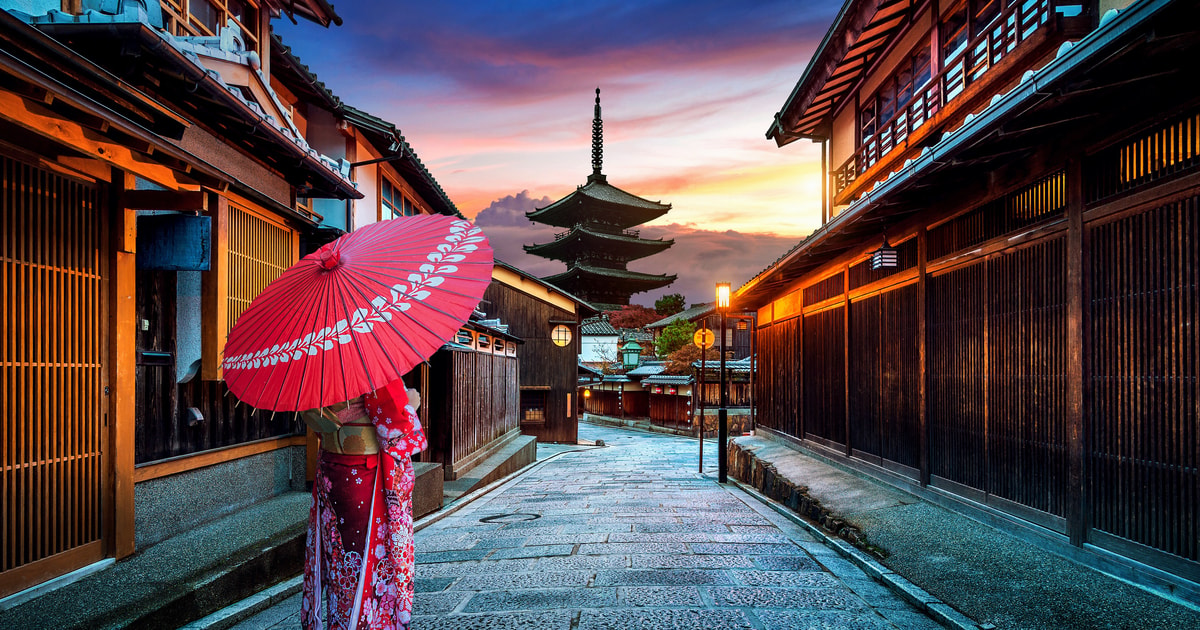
(723, 411)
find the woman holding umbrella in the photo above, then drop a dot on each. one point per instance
(331, 337)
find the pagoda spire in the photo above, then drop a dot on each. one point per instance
(597, 143)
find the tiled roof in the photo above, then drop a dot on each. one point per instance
(668, 379)
(741, 365)
(648, 369)
(182, 55)
(597, 326)
(622, 274)
(688, 314)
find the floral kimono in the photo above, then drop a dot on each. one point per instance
(359, 561)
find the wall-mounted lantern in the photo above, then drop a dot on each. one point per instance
(885, 257)
(587, 392)
(561, 335)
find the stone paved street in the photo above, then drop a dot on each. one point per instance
(630, 536)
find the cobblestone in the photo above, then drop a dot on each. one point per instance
(628, 537)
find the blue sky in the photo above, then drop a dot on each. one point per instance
(497, 99)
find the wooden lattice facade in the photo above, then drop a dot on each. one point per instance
(108, 376)
(53, 332)
(1054, 379)
(1034, 350)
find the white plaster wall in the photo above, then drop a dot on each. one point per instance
(591, 345)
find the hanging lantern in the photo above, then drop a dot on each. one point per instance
(885, 257)
(631, 354)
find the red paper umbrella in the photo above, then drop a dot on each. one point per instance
(358, 313)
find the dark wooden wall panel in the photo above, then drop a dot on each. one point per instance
(1027, 376)
(885, 377)
(824, 375)
(164, 428)
(1144, 423)
(471, 406)
(670, 410)
(956, 329)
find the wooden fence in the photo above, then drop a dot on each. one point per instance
(475, 400)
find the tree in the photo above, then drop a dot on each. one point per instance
(676, 334)
(633, 316)
(680, 361)
(669, 304)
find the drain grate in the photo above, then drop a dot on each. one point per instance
(509, 518)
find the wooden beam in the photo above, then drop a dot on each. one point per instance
(846, 350)
(185, 463)
(123, 359)
(214, 289)
(1076, 286)
(35, 117)
(167, 200)
(922, 356)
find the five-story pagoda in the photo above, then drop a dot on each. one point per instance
(598, 244)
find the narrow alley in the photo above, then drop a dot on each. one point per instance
(630, 536)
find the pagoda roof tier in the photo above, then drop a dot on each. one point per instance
(601, 202)
(589, 279)
(579, 240)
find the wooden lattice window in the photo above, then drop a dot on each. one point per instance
(190, 18)
(533, 406)
(395, 203)
(251, 249)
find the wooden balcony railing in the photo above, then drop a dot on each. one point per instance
(1017, 24)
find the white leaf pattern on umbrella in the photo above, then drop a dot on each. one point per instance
(363, 319)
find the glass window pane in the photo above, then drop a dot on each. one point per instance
(205, 13)
(985, 12)
(887, 104)
(867, 118)
(921, 69)
(954, 34)
(904, 85)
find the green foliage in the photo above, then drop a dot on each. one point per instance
(676, 335)
(669, 304)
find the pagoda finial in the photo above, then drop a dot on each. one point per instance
(597, 139)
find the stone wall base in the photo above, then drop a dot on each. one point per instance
(750, 470)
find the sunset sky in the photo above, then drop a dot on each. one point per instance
(496, 99)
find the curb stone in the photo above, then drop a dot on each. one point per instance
(940, 611)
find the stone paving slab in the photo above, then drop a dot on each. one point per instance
(631, 537)
(628, 536)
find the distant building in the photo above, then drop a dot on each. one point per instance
(601, 342)
(598, 243)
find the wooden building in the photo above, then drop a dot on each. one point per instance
(599, 244)
(149, 177)
(1034, 170)
(472, 397)
(547, 320)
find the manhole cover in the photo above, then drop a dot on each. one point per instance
(509, 518)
